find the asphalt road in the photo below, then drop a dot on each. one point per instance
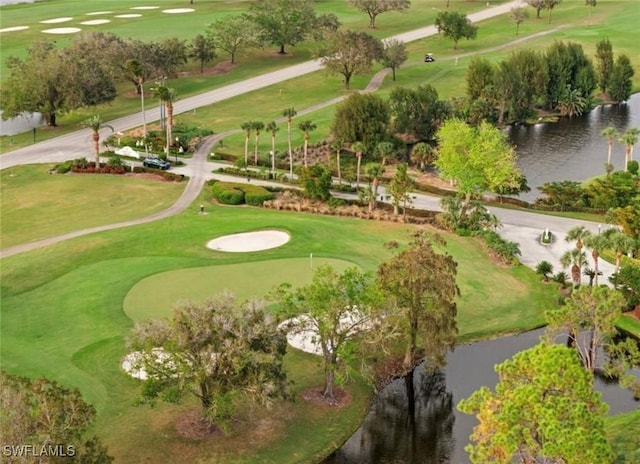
(522, 227)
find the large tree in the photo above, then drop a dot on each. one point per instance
(202, 49)
(568, 68)
(233, 35)
(400, 189)
(479, 78)
(394, 54)
(167, 96)
(550, 5)
(283, 22)
(49, 417)
(373, 8)
(51, 82)
(538, 5)
(361, 117)
(224, 352)
(621, 83)
(604, 63)
(477, 159)
(589, 317)
(335, 308)
(422, 284)
(350, 53)
(518, 14)
(417, 113)
(455, 26)
(544, 409)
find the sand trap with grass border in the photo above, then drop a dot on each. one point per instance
(178, 10)
(95, 22)
(62, 30)
(14, 28)
(249, 241)
(56, 20)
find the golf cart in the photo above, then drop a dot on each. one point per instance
(428, 58)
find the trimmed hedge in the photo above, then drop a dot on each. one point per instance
(230, 193)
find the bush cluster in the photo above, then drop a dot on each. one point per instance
(230, 193)
(505, 250)
(81, 165)
(169, 176)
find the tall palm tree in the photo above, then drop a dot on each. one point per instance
(629, 139)
(422, 154)
(95, 124)
(358, 148)
(337, 146)
(289, 113)
(257, 127)
(577, 259)
(246, 126)
(385, 150)
(167, 96)
(583, 238)
(374, 172)
(306, 127)
(611, 134)
(273, 128)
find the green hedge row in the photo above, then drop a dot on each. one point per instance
(230, 193)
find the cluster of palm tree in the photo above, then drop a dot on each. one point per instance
(611, 239)
(627, 138)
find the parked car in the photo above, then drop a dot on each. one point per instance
(428, 58)
(156, 163)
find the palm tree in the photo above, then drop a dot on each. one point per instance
(246, 126)
(545, 269)
(594, 241)
(306, 127)
(385, 150)
(167, 96)
(374, 171)
(95, 124)
(257, 126)
(573, 103)
(289, 113)
(629, 139)
(273, 128)
(337, 146)
(358, 148)
(577, 259)
(616, 240)
(422, 154)
(611, 134)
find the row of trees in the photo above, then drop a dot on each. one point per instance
(562, 78)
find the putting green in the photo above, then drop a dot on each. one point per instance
(154, 297)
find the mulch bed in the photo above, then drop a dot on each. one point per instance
(193, 426)
(314, 396)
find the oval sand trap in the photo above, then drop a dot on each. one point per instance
(56, 20)
(14, 28)
(62, 30)
(250, 241)
(129, 15)
(179, 10)
(95, 22)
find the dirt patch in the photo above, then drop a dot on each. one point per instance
(315, 396)
(193, 426)
(219, 69)
(147, 176)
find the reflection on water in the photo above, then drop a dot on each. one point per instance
(572, 149)
(435, 432)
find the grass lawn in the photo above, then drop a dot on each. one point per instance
(37, 205)
(630, 325)
(624, 433)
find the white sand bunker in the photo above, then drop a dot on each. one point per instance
(14, 28)
(250, 241)
(95, 22)
(56, 20)
(132, 363)
(144, 7)
(62, 30)
(129, 15)
(179, 10)
(99, 13)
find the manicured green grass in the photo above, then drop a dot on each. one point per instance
(630, 325)
(37, 205)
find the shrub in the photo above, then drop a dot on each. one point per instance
(506, 250)
(63, 168)
(230, 193)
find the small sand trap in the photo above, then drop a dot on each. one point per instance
(99, 13)
(179, 10)
(15, 28)
(95, 22)
(144, 7)
(250, 241)
(129, 15)
(56, 20)
(62, 30)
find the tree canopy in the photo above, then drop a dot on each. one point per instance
(544, 409)
(373, 8)
(361, 117)
(455, 26)
(350, 53)
(224, 352)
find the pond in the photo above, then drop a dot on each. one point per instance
(572, 149)
(437, 432)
